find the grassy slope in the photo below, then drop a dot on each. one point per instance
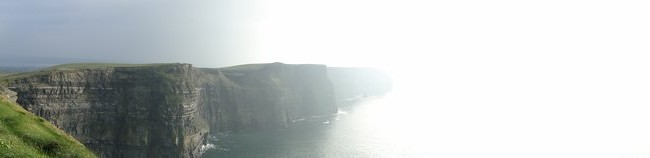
(22, 134)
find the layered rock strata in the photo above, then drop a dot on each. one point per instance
(167, 110)
(265, 96)
(148, 111)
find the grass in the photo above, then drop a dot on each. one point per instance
(245, 67)
(4, 78)
(71, 67)
(248, 67)
(74, 66)
(23, 134)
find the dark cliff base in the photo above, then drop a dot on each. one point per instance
(167, 110)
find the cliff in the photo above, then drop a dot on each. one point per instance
(352, 83)
(119, 111)
(166, 110)
(266, 95)
(22, 134)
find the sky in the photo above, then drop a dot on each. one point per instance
(202, 32)
(384, 33)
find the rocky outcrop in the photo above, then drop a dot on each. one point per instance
(167, 110)
(7, 94)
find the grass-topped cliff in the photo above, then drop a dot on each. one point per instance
(22, 134)
(6, 76)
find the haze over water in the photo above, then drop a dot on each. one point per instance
(365, 129)
(488, 114)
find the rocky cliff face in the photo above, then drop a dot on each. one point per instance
(23, 134)
(266, 96)
(167, 110)
(147, 111)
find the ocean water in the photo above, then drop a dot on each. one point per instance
(363, 129)
(455, 124)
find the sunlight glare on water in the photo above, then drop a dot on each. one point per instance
(509, 108)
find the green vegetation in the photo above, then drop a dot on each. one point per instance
(249, 67)
(75, 66)
(12, 70)
(245, 67)
(22, 134)
(71, 67)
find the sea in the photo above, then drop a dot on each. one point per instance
(365, 128)
(455, 124)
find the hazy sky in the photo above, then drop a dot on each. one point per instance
(389, 33)
(204, 32)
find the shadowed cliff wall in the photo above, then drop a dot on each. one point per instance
(265, 95)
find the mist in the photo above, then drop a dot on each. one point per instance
(386, 34)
